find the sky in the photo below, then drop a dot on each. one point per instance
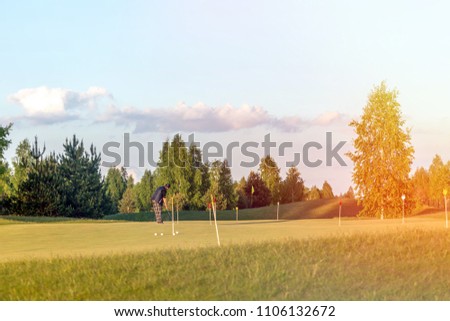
(224, 71)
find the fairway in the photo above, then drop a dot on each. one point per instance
(92, 238)
(259, 260)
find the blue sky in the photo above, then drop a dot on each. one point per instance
(224, 70)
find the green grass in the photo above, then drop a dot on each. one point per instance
(14, 219)
(296, 258)
(47, 240)
(328, 208)
(402, 264)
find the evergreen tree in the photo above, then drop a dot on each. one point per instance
(327, 191)
(350, 193)
(383, 156)
(314, 194)
(257, 191)
(292, 187)
(39, 193)
(82, 194)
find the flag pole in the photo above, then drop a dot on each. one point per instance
(251, 201)
(173, 222)
(209, 209)
(278, 209)
(215, 219)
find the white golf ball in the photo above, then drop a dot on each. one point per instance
(173, 234)
(162, 234)
(156, 234)
(177, 232)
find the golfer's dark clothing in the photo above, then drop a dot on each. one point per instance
(159, 194)
(157, 209)
(157, 201)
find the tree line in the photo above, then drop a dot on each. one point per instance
(429, 184)
(71, 184)
(193, 182)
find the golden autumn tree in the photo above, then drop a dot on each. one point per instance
(382, 157)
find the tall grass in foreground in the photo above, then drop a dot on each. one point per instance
(406, 265)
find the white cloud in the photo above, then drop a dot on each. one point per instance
(44, 105)
(58, 104)
(41, 100)
(200, 118)
(328, 118)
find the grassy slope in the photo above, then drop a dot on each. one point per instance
(298, 210)
(409, 264)
(319, 209)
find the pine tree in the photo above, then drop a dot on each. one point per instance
(39, 194)
(327, 191)
(350, 193)
(383, 156)
(82, 194)
(292, 187)
(314, 194)
(257, 191)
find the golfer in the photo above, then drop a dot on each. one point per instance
(158, 198)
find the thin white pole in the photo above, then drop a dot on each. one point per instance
(403, 212)
(173, 222)
(403, 215)
(215, 222)
(278, 209)
(446, 215)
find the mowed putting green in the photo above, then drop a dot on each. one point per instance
(92, 238)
